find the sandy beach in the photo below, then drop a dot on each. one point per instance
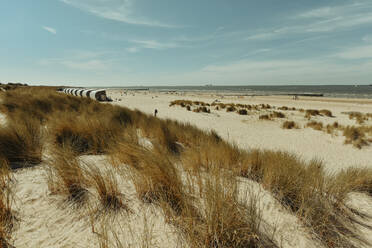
(249, 132)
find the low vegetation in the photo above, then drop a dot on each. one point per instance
(289, 125)
(315, 125)
(193, 176)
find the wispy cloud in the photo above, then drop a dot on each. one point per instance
(322, 20)
(79, 60)
(117, 10)
(153, 44)
(50, 30)
(361, 52)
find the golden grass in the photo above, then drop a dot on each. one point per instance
(355, 136)
(326, 112)
(106, 186)
(315, 125)
(6, 200)
(156, 179)
(21, 140)
(222, 220)
(66, 177)
(264, 117)
(304, 188)
(289, 125)
(276, 114)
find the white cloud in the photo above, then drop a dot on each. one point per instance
(361, 52)
(117, 10)
(50, 30)
(153, 44)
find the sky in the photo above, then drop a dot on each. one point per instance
(178, 42)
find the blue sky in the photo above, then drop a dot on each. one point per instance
(193, 42)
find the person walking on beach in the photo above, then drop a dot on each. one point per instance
(155, 112)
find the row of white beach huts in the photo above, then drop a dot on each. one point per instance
(99, 95)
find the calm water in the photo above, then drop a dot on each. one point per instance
(347, 91)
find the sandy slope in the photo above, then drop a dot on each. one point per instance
(46, 220)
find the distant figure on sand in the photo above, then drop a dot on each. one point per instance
(155, 112)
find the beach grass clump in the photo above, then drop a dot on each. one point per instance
(155, 178)
(66, 177)
(6, 201)
(182, 103)
(276, 114)
(360, 118)
(21, 140)
(283, 108)
(242, 112)
(311, 112)
(315, 125)
(354, 180)
(106, 185)
(84, 134)
(355, 136)
(223, 220)
(264, 106)
(264, 117)
(303, 188)
(231, 108)
(289, 125)
(326, 112)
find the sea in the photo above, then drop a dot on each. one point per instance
(336, 91)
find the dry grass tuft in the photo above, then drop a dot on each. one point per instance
(156, 180)
(304, 189)
(106, 185)
(21, 141)
(6, 215)
(242, 112)
(276, 114)
(66, 177)
(231, 109)
(223, 220)
(315, 125)
(311, 112)
(355, 136)
(289, 125)
(264, 117)
(326, 112)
